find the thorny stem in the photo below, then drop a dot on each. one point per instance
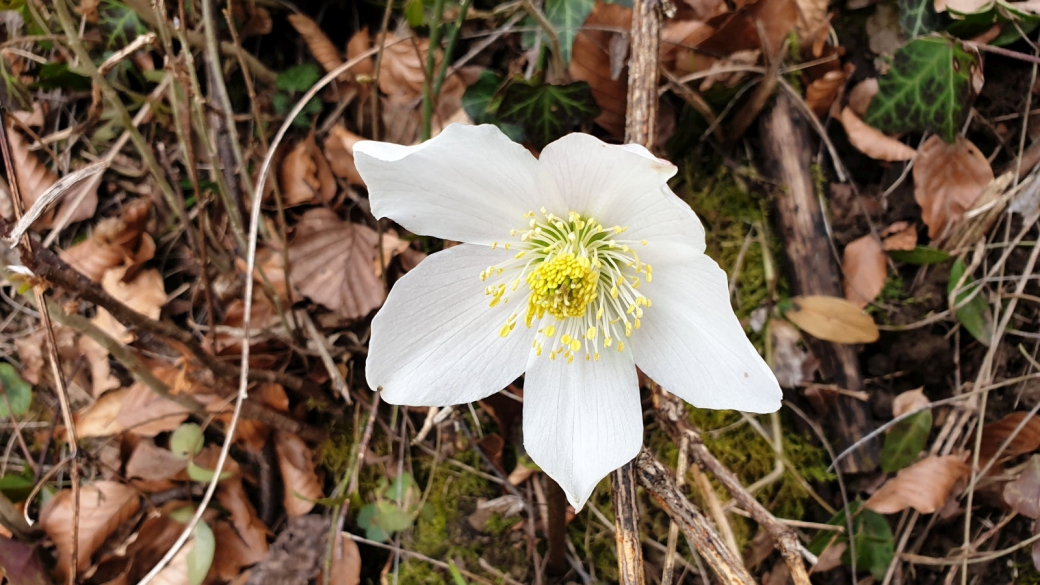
(431, 61)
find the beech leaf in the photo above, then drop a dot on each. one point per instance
(103, 508)
(871, 141)
(1023, 494)
(332, 264)
(865, 269)
(296, 462)
(831, 319)
(924, 486)
(995, 433)
(948, 180)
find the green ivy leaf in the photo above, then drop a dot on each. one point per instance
(547, 112)
(905, 441)
(200, 557)
(119, 23)
(931, 85)
(566, 17)
(919, 256)
(918, 17)
(481, 102)
(18, 392)
(976, 315)
(872, 539)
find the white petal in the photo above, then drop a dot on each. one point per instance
(582, 420)
(692, 344)
(470, 183)
(622, 185)
(436, 341)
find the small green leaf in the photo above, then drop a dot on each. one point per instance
(200, 557)
(918, 17)
(931, 86)
(975, 315)
(11, 4)
(905, 441)
(16, 393)
(398, 490)
(920, 255)
(481, 102)
(414, 13)
(119, 24)
(547, 112)
(16, 487)
(203, 475)
(872, 539)
(186, 441)
(299, 78)
(366, 519)
(58, 76)
(566, 17)
(456, 576)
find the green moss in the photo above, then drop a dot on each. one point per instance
(728, 210)
(750, 457)
(442, 531)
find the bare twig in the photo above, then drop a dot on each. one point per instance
(655, 478)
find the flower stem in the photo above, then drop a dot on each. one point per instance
(556, 531)
(431, 61)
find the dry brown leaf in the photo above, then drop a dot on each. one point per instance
(145, 413)
(331, 262)
(821, 93)
(34, 179)
(394, 246)
(324, 52)
(592, 63)
(871, 141)
(244, 538)
(103, 507)
(255, 20)
(252, 435)
(861, 95)
(812, 17)
(359, 43)
(730, 69)
(346, 565)
(948, 179)
(301, 483)
(924, 486)
(101, 419)
(305, 175)
(101, 377)
(830, 558)
(901, 235)
(995, 433)
(153, 469)
(832, 319)
(792, 364)
(909, 401)
(865, 270)
(115, 241)
(339, 150)
(401, 77)
(144, 294)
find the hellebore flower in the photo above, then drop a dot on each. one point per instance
(576, 267)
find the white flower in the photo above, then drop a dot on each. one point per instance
(554, 280)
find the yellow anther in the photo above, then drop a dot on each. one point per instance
(620, 345)
(590, 334)
(550, 331)
(575, 345)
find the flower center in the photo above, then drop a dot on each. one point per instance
(581, 282)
